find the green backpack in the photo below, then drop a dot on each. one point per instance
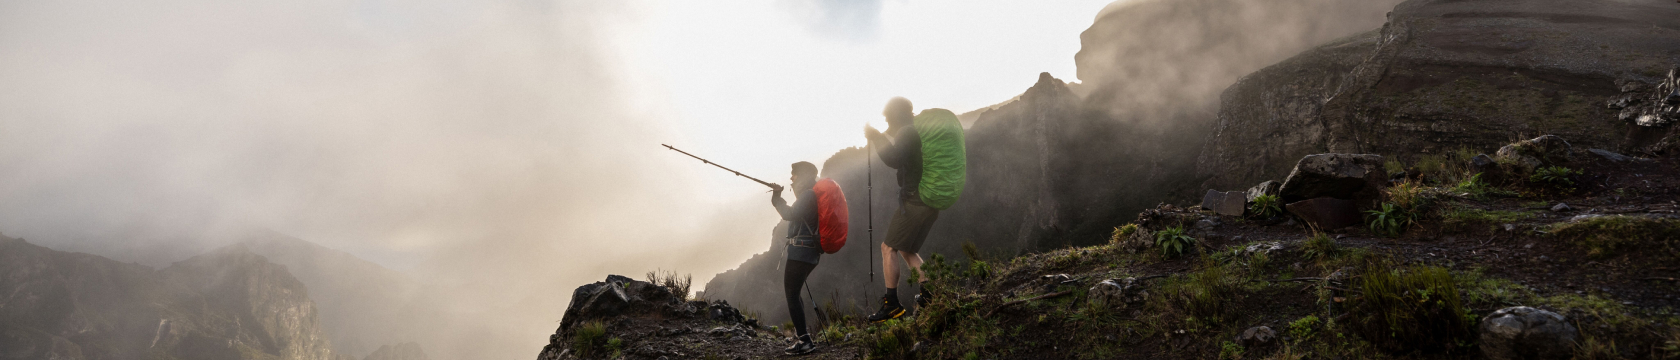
(944, 159)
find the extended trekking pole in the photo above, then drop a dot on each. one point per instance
(869, 192)
(737, 173)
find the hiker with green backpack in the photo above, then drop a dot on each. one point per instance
(928, 152)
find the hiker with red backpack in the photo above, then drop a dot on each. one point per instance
(816, 225)
(928, 152)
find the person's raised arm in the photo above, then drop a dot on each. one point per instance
(781, 204)
(889, 152)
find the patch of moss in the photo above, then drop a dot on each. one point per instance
(1606, 236)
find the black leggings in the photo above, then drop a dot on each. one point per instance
(792, 280)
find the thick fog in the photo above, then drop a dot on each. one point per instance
(481, 146)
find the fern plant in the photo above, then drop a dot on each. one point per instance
(1554, 175)
(1266, 206)
(1174, 241)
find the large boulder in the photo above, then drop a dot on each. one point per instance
(1357, 177)
(1527, 333)
(1533, 153)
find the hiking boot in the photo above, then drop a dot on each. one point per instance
(889, 310)
(802, 347)
(922, 299)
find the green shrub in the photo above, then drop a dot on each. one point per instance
(1608, 235)
(1266, 206)
(1554, 175)
(1174, 242)
(590, 339)
(1303, 329)
(1411, 308)
(615, 346)
(1230, 350)
(891, 339)
(1204, 293)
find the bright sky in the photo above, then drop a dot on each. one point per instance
(759, 84)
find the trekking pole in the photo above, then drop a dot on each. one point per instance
(869, 192)
(737, 173)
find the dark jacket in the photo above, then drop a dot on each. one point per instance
(904, 154)
(802, 216)
(803, 235)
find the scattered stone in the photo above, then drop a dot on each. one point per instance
(1510, 227)
(1533, 153)
(1325, 213)
(721, 311)
(1106, 294)
(1206, 224)
(1561, 207)
(918, 347)
(1483, 163)
(1267, 187)
(1116, 293)
(1256, 337)
(1357, 177)
(1527, 333)
(1612, 156)
(1263, 248)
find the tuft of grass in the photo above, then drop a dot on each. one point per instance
(1606, 236)
(1555, 176)
(590, 339)
(1174, 242)
(1411, 308)
(1266, 206)
(679, 286)
(615, 346)
(1122, 233)
(1321, 247)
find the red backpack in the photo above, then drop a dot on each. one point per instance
(831, 215)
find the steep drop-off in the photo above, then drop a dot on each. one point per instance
(228, 304)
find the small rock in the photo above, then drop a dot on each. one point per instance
(918, 347)
(1482, 163)
(1612, 156)
(1256, 336)
(1267, 187)
(1107, 294)
(1510, 227)
(1263, 248)
(1527, 333)
(1561, 207)
(1206, 224)
(1230, 203)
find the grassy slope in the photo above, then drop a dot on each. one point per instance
(1474, 248)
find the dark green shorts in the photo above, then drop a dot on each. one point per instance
(910, 226)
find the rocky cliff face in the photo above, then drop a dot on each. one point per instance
(229, 304)
(361, 304)
(1442, 75)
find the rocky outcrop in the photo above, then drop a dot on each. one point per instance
(620, 300)
(1357, 177)
(1441, 75)
(228, 304)
(1525, 333)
